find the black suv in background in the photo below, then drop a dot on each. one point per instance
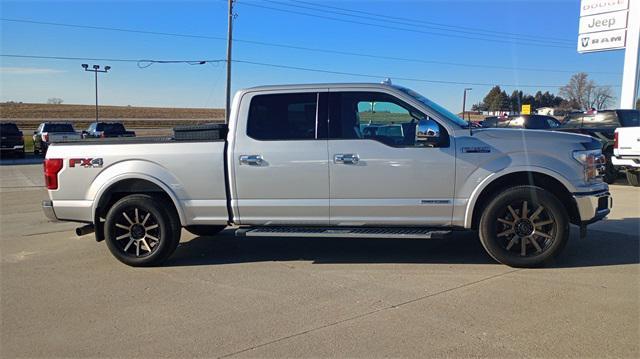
(532, 122)
(107, 129)
(602, 125)
(11, 140)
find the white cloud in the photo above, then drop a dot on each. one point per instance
(28, 71)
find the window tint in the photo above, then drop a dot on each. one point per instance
(9, 129)
(573, 121)
(283, 117)
(113, 127)
(58, 127)
(601, 120)
(552, 122)
(375, 116)
(629, 118)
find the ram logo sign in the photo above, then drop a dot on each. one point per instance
(605, 40)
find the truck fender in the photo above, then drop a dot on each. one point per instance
(471, 203)
(136, 169)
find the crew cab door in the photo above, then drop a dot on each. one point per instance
(280, 164)
(379, 173)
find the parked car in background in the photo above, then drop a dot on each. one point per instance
(106, 130)
(626, 153)
(532, 122)
(602, 125)
(11, 141)
(49, 132)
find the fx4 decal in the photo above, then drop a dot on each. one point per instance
(86, 162)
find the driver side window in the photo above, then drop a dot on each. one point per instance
(373, 116)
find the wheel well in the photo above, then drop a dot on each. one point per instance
(122, 189)
(525, 178)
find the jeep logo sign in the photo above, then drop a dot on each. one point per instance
(605, 40)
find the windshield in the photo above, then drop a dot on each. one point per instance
(434, 106)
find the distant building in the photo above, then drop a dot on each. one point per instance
(549, 111)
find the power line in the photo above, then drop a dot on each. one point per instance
(413, 22)
(354, 74)
(301, 48)
(403, 29)
(396, 77)
(418, 22)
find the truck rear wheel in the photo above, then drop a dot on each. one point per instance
(524, 226)
(633, 177)
(141, 230)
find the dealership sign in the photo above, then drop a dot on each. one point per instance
(603, 25)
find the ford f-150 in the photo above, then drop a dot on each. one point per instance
(299, 160)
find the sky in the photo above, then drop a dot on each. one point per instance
(437, 48)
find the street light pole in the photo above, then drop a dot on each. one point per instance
(95, 69)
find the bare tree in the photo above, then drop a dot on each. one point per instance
(55, 101)
(579, 90)
(602, 97)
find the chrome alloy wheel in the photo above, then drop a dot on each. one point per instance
(137, 232)
(528, 232)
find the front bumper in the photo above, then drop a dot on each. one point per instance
(593, 206)
(47, 208)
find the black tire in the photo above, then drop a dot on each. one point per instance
(204, 231)
(505, 242)
(610, 173)
(137, 246)
(633, 177)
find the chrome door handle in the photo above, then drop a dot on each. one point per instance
(346, 158)
(251, 160)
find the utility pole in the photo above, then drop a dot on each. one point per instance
(95, 69)
(227, 108)
(464, 102)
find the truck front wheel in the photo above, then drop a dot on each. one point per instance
(141, 230)
(524, 226)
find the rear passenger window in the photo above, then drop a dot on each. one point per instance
(283, 117)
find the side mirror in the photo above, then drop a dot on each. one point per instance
(427, 132)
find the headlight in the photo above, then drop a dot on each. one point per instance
(593, 162)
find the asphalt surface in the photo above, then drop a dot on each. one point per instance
(66, 296)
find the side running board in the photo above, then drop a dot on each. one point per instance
(343, 232)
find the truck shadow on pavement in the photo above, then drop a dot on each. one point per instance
(598, 249)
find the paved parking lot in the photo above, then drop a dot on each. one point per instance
(65, 296)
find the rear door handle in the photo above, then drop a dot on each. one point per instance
(346, 158)
(251, 160)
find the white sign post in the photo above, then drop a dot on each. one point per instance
(611, 25)
(631, 73)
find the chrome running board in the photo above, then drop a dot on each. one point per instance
(344, 232)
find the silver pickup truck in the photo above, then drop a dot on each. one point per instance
(333, 160)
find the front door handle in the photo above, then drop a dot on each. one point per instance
(251, 160)
(346, 158)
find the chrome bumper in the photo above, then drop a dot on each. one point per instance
(47, 208)
(593, 207)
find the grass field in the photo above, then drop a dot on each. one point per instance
(46, 111)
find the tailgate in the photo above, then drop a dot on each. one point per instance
(64, 136)
(628, 142)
